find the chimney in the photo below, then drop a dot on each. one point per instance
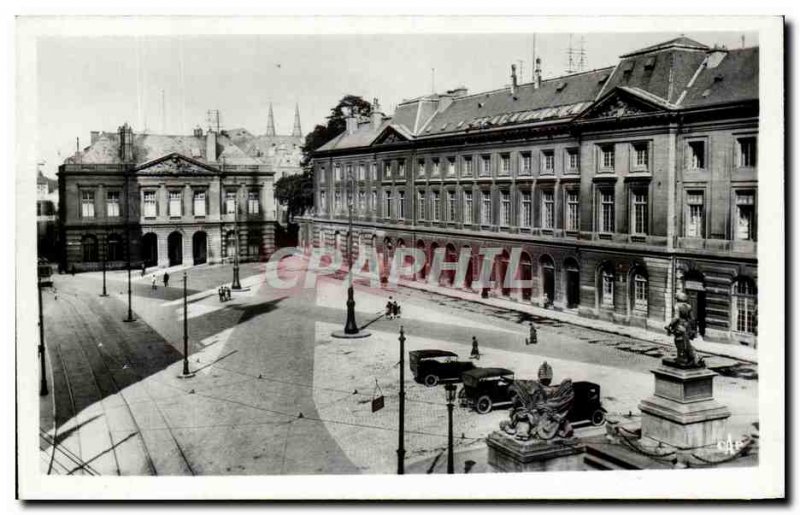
(377, 116)
(125, 143)
(513, 80)
(95, 136)
(460, 91)
(537, 74)
(211, 146)
(198, 132)
(350, 120)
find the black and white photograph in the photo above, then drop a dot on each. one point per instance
(329, 257)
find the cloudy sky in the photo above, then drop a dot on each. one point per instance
(97, 83)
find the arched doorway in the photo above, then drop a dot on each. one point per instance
(175, 248)
(150, 249)
(200, 247)
(89, 248)
(469, 276)
(450, 256)
(501, 270)
(638, 291)
(114, 247)
(695, 287)
(431, 253)
(423, 271)
(526, 275)
(548, 271)
(573, 283)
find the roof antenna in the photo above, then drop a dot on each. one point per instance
(533, 59)
(433, 80)
(742, 40)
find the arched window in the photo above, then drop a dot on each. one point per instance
(89, 247)
(607, 287)
(640, 291)
(744, 306)
(114, 243)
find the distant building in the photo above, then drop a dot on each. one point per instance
(172, 199)
(621, 186)
(47, 217)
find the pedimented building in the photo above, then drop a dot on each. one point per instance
(621, 186)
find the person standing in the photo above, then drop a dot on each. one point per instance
(390, 309)
(532, 336)
(154, 282)
(144, 269)
(166, 279)
(476, 353)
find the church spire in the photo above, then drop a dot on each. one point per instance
(296, 130)
(270, 122)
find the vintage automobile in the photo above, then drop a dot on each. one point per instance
(486, 388)
(430, 366)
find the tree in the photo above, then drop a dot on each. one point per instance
(296, 192)
(335, 125)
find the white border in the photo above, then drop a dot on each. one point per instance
(764, 481)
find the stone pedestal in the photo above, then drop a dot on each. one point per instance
(682, 412)
(507, 454)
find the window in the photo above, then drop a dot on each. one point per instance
(87, 204)
(322, 175)
(525, 164)
(323, 203)
(401, 205)
(451, 166)
(639, 212)
(744, 306)
(114, 247)
(420, 205)
(374, 171)
(230, 202)
(548, 161)
(362, 201)
(607, 297)
(112, 203)
(337, 201)
(548, 208)
(387, 204)
(486, 208)
(505, 164)
(401, 169)
(639, 292)
(572, 159)
(606, 211)
(436, 206)
(435, 171)
(337, 172)
(252, 202)
(451, 206)
(387, 170)
(467, 208)
(149, 204)
(745, 215)
(486, 166)
(421, 168)
(641, 157)
(607, 158)
(362, 172)
(175, 204)
(572, 211)
(349, 174)
(505, 208)
(200, 202)
(525, 202)
(697, 155)
(747, 152)
(374, 199)
(695, 214)
(467, 172)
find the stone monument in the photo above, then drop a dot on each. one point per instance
(682, 412)
(537, 435)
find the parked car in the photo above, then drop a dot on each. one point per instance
(486, 388)
(430, 366)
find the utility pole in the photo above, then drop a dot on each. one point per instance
(450, 391)
(43, 379)
(105, 257)
(186, 373)
(401, 449)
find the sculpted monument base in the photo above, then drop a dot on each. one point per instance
(507, 454)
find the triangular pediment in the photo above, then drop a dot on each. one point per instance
(621, 102)
(390, 134)
(175, 164)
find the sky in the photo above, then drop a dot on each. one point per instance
(168, 84)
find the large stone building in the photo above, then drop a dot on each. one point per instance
(621, 186)
(173, 199)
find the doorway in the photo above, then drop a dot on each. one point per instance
(175, 248)
(150, 249)
(694, 285)
(548, 280)
(573, 283)
(200, 247)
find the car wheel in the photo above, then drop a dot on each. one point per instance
(431, 380)
(484, 405)
(598, 417)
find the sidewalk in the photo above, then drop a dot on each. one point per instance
(738, 352)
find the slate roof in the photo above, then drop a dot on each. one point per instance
(734, 79)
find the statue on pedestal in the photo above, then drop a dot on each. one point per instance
(684, 329)
(539, 410)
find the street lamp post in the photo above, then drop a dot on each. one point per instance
(128, 243)
(186, 372)
(401, 450)
(43, 381)
(105, 256)
(450, 390)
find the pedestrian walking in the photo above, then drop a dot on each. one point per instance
(476, 353)
(154, 282)
(166, 279)
(395, 309)
(532, 338)
(390, 309)
(144, 269)
(221, 293)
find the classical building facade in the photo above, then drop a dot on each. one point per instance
(621, 186)
(163, 200)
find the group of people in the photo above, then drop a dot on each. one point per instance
(166, 280)
(224, 293)
(392, 309)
